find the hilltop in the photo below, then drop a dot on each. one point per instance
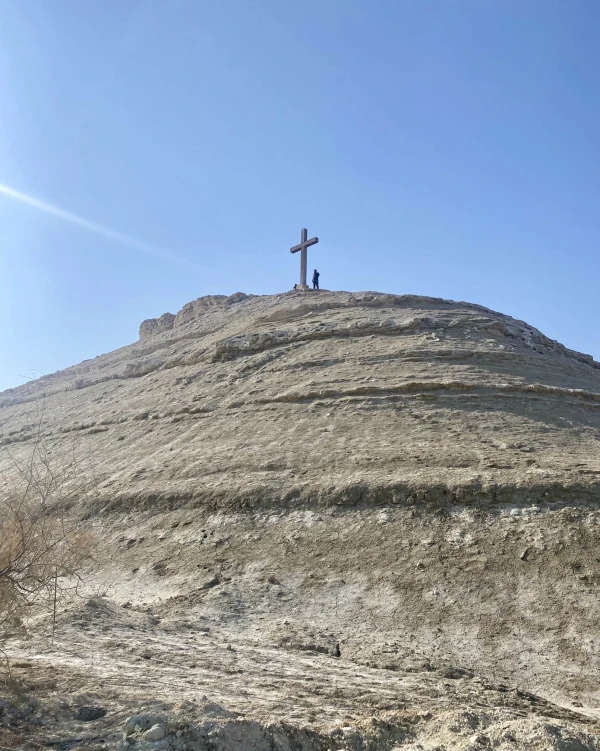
(396, 490)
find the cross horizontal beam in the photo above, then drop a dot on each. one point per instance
(305, 244)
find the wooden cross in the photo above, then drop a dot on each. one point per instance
(304, 244)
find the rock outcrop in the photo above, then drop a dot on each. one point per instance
(152, 326)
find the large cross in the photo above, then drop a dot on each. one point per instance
(304, 244)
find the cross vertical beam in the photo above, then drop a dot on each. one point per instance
(302, 247)
(303, 256)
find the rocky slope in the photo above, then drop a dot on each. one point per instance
(394, 485)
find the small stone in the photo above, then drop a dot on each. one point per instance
(478, 740)
(143, 721)
(156, 733)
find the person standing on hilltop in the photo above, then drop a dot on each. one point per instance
(316, 276)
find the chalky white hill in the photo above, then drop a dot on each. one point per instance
(406, 484)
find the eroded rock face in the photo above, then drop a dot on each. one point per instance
(356, 475)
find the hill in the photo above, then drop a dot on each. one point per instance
(393, 495)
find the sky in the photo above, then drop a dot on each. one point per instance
(152, 152)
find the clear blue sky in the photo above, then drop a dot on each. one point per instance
(437, 147)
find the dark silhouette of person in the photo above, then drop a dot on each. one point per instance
(316, 276)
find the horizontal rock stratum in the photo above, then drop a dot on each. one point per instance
(401, 483)
(331, 397)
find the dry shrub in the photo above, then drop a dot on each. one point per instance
(42, 546)
(40, 551)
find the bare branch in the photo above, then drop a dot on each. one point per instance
(40, 547)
